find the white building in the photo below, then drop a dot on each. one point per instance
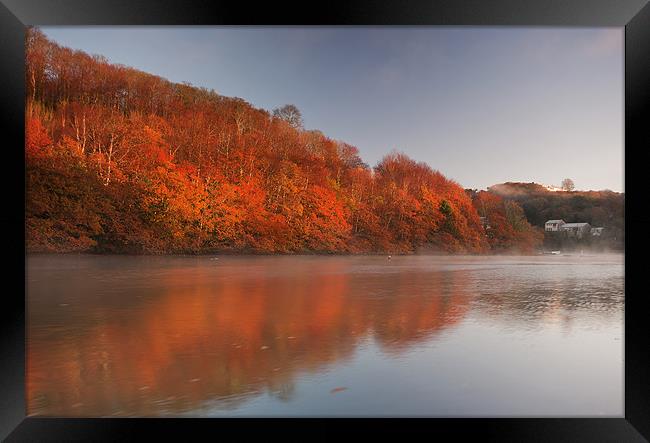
(576, 229)
(553, 225)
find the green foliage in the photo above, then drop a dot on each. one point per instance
(445, 208)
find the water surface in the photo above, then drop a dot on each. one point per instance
(325, 336)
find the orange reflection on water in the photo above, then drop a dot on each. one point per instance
(191, 335)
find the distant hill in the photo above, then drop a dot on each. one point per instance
(518, 188)
(598, 208)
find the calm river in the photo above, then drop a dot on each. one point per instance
(325, 336)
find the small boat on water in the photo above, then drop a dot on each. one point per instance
(552, 252)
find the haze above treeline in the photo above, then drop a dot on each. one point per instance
(121, 161)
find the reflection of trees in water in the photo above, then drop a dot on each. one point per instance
(407, 318)
(229, 340)
(561, 300)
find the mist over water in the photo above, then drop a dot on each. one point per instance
(325, 336)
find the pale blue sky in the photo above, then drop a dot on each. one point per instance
(483, 105)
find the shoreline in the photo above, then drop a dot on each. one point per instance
(318, 254)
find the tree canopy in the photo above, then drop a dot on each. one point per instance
(568, 185)
(290, 114)
(119, 160)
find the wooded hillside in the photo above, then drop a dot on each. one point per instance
(118, 160)
(598, 208)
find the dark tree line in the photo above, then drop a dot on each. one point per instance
(598, 208)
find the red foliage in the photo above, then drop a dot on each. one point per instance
(36, 139)
(506, 227)
(124, 161)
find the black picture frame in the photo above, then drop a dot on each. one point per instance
(634, 15)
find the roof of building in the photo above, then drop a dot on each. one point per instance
(575, 225)
(555, 221)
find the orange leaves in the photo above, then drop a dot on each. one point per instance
(36, 139)
(418, 208)
(505, 225)
(163, 167)
(154, 146)
(326, 227)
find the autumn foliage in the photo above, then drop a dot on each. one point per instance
(506, 226)
(123, 161)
